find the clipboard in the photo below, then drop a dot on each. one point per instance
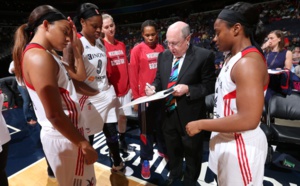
(158, 95)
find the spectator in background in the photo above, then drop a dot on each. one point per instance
(143, 66)
(276, 55)
(9, 86)
(28, 111)
(296, 55)
(117, 74)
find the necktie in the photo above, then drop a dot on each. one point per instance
(170, 100)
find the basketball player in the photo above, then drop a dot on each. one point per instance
(53, 94)
(238, 146)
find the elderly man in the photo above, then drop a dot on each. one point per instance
(189, 70)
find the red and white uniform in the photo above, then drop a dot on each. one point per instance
(237, 158)
(105, 102)
(65, 159)
(117, 73)
(143, 67)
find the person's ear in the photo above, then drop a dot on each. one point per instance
(46, 24)
(82, 22)
(236, 28)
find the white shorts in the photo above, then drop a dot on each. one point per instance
(106, 103)
(240, 159)
(66, 161)
(93, 122)
(123, 100)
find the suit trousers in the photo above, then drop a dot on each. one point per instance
(179, 146)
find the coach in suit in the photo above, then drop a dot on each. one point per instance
(190, 71)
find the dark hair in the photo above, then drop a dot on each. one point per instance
(248, 16)
(25, 32)
(280, 35)
(85, 11)
(149, 23)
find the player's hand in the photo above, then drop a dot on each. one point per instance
(193, 128)
(90, 155)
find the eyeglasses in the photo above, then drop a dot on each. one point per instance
(174, 44)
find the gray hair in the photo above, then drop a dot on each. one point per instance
(186, 31)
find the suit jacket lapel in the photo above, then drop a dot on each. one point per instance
(168, 68)
(186, 63)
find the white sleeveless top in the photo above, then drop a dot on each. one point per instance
(68, 98)
(96, 55)
(225, 89)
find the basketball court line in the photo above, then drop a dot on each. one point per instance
(99, 169)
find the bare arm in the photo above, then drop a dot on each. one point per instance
(72, 54)
(40, 70)
(250, 76)
(288, 60)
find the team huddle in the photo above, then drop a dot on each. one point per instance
(78, 76)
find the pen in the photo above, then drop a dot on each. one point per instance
(149, 86)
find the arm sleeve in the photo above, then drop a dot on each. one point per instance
(134, 72)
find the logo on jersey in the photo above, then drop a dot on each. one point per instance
(92, 56)
(152, 65)
(91, 78)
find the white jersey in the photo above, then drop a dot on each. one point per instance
(69, 100)
(4, 134)
(245, 151)
(65, 158)
(105, 102)
(96, 55)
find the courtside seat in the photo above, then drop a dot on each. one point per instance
(286, 114)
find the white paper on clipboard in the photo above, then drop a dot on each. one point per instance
(158, 95)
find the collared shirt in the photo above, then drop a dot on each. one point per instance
(180, 62)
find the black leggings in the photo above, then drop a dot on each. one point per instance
(3, 161)
(111, 134)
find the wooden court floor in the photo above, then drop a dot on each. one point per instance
(36, 175)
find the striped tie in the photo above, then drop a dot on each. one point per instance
(170, 100)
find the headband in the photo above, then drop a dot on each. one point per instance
(233, 17)
(50, 17)
(90, 13)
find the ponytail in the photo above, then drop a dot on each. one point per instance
(21, 39)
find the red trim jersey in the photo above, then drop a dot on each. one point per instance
(239, 148)
(117, 67)
(68, 96)
(225, 89)
(143, 67)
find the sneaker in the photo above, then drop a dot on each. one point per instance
(119, 169)
(145, 173)
(50, 172)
